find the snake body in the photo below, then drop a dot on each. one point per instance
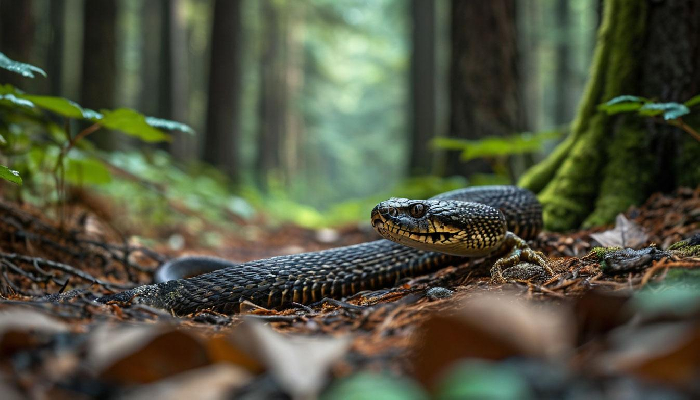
(343, 271)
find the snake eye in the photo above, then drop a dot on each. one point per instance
(417, 210)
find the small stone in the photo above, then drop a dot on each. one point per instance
(437, 293)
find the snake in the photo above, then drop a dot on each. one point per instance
(419, 237)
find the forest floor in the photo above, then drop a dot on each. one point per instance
(611, 324)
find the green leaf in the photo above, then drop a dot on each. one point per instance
(91, 114)
(626, 98)
(168, 125)
(623, 103)
(131, 123)
(86, 170)
(669, 110)
(480, 380)
(365, 385)
(58, 105)
(10, 175)
(26, 70)
(496, 146)
(695, 100)
(13, 100)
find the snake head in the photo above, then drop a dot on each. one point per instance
(451, 227)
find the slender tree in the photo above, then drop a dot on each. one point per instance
(221, 140)
(608, 163)
(423, 86)
(484, 88)
(100, 60)
(273, 94)
(16, 36)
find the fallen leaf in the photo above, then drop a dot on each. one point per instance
(143, 354)
(625, 234)
(208, 383)
(491, 327)
(299, 363)
(21, 329)
(665, 353)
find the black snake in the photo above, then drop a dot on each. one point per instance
(466, 222)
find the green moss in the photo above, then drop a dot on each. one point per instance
(628, 172)
(569, 197)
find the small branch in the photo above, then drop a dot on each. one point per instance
(687, 128)
(64, 268)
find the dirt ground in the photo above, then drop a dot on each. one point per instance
(611, 324)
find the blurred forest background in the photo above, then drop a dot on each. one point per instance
(312, 109)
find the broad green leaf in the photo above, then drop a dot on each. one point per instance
(622, 103)
(91, 114)
(496, 146)
(480, 380)
(374, 386)
(620, 107)
(2, 139)
(168, 125)
(58, 105)
(13, 100)
(626, 98)
(86, 170)
(695, 100)
(131, 123)
(21, 68)
(10, 175)
(669, 110)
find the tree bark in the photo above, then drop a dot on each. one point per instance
(484, 76)
(611, 162)
(423, 87)
(173, 80)
(16, 37)
(221, 140)
(272, 97)
(99, 61)
(562, 73)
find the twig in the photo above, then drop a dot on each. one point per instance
(64, 268)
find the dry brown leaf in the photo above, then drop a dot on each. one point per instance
(21, 329)
(143, 354)
(625, 234)
(207, 383)
(492, 327)
(299, 363)
(666, 353)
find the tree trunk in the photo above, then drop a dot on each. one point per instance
(173, 80)
(54, 66)
(608, 163)
(484, 76)
(16, 37)
(99, 61)
(562, 73)
(221, 140)
(272, 97)
(423, 86)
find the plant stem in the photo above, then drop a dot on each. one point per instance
(682, 125)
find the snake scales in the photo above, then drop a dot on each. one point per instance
(473, 222)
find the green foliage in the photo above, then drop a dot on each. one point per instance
(132, 123)
(33, 139)
(23, 69)
(88, 170)
(648, 108)
(481, 380)
(375, 386)
(10, 175)
(495, 146)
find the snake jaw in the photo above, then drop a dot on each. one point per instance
(451, 227)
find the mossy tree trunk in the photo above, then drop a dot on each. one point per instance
(645, 48)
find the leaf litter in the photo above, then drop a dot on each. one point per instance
(615, 321)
